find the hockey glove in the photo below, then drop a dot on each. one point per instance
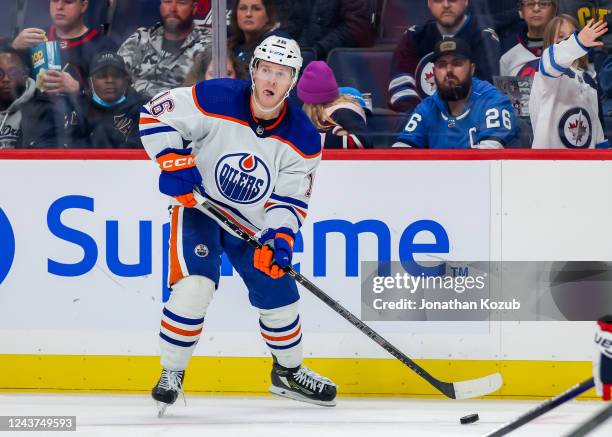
(276, 253)
(179, 175)
(602, 364)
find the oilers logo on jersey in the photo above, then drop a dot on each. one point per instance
(575, 128)
(242, 178)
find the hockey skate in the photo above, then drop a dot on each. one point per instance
(302, 384)
(167, 390)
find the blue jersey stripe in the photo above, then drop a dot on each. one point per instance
(183, 320)
(288, 208)
(156, 130)
(285, 329)
(553, 62)
(290, 200)
(176, 342)
(289, 346)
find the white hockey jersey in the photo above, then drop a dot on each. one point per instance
(259, 173)
(563, 106)
(513, 61)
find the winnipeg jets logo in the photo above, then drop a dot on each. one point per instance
(575, 129)
(426, 82)
(242, 178)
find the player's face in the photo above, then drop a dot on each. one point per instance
(67, 14)
(447, 12)
(453, 76)
(231, 73)
(251, 15)
(177, 15)
(565, 30)
(272, 81)
(110, 84)
(12, 78)
(537, 13)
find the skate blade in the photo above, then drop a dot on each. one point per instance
(161, 409)
(298, 397)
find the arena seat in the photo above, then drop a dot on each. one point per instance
(365, 69)
(130, 15)
(385, 126)
(308, 55)
(398, 15)
(7, 20)
(37, 14)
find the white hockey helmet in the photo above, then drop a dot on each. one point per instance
(279, 50)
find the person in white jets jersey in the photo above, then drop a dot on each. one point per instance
(563, 106)
(254, 155)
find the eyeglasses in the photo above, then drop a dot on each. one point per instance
(12, 73)
(543, 4)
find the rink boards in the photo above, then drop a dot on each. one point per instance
(81, 277)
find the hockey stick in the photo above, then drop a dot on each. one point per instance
(455, 390)
(592, 423)
(543, 408)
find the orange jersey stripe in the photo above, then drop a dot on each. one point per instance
(175, 267)
(145, 120)
(203, 111)
(294, 147)
(301, 211)
(283, 338)
(179, 330)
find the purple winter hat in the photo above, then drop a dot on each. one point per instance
(317, 84)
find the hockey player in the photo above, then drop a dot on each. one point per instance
(464, 112)
(412, 67)
(254, 155)
(602, 364)
(563, 105)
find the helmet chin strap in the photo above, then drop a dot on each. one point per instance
(263, 108)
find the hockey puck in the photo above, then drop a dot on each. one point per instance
(470, 418)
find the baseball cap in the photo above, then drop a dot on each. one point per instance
(452, 46)
(107, 59)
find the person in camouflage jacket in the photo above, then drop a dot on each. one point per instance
(159, 57)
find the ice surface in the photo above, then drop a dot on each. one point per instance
(266, 416)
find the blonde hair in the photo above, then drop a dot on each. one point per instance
(551, 30)
(318, 113)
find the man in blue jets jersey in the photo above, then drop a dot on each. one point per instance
(254, 155)
(464, 112)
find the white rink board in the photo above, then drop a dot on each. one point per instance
(476, 202)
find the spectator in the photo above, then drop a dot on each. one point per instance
(250, 23)
(501, 15)
(108, 118)
(327, 24)
(585, 10)
(519, 59)
(464, 112)
(159, 57)
(202, 69)
(26, 115)
(564, 104)
(77, 42)
(340, 119)
(412, 78)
